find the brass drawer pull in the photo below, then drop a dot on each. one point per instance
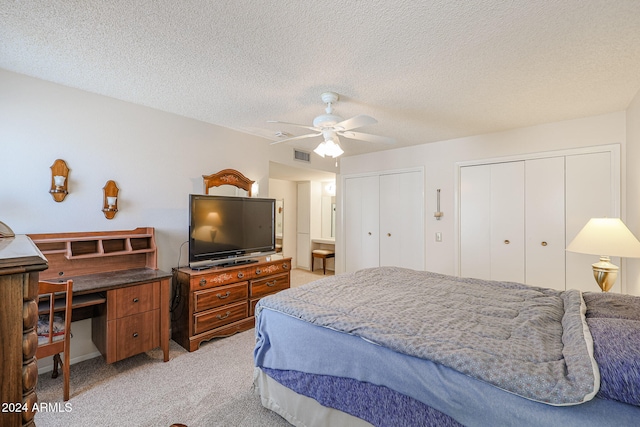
(224, 296)
(135, 299)
(220, 317)
(285, 266)
(203, 282)
(240, 275)
(135, 335)
(258, 271)
(271, 284)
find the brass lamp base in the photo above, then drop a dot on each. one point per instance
(605, 273)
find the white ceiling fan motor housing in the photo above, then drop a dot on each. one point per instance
(329, 119)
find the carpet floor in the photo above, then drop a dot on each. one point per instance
(209, 387)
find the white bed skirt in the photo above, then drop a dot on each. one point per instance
(299, 410)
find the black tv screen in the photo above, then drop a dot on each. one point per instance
(224, 227)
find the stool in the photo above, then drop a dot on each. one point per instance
(323, 254)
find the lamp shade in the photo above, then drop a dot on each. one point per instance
(606, 236)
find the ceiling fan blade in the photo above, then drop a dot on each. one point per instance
(294, 138)
(368, 137)
(293, 124)
(355, 122)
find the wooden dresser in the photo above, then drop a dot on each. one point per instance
(20, 264)
(219, 302)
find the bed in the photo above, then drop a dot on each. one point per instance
(390, 347)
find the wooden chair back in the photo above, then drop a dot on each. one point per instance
(51, 340)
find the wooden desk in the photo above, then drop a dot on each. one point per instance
(103, 296)
(116, 283)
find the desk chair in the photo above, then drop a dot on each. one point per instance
(322, 254)
(52, 339)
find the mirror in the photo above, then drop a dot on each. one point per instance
(227, 182)
(279, 225)
(328, 217)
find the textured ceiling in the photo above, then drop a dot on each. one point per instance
(426, 70)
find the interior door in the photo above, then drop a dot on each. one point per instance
(402, 220)
(589, 188)
(507, 222)
(475, 221)
(362, 218)
(545, 214)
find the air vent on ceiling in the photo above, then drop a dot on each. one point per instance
(303, 156)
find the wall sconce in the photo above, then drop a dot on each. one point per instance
(438, 214)
(59, 180)
(110, 200)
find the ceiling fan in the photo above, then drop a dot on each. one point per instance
(330, 125)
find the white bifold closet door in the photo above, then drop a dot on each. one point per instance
(492, 221)
(402, 220)
(361, 227)
(384, 221)
(517, 217)
(545, 222)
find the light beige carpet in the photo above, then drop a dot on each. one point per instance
(209, 387)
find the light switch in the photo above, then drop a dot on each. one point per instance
(438, 237)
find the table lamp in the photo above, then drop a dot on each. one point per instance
(605, 236)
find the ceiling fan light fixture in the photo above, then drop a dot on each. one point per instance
(329, 147)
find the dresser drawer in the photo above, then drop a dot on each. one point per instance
(269, 285)
(221, 295)
(210, 280)
(211, 319)
(137, 333)
(137, 299)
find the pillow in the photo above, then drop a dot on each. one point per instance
(612, 305)
(616, 347)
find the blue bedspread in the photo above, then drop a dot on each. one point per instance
(532, 342)
(289, 344)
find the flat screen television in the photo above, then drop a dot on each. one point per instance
(227, 230)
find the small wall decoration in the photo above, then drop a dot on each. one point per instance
(59, 180)
(110, 199)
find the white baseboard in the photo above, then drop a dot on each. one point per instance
(49, 367)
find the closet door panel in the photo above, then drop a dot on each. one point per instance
(589, 189)
(545, 217)
(475, 221)
(402, 220)
(361, 223)
(507, 222)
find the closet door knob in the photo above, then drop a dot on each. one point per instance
(389, 234)
(544, 243)
(369, 233)
(506, 242)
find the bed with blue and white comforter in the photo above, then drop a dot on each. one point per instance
(472, 352)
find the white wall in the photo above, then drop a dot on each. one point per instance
(633, 190)
(155, 158)
(439, 160)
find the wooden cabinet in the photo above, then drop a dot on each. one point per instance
(219, 302)
(518, 216)
(384, 220)
(129, 322)
(20, 264)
